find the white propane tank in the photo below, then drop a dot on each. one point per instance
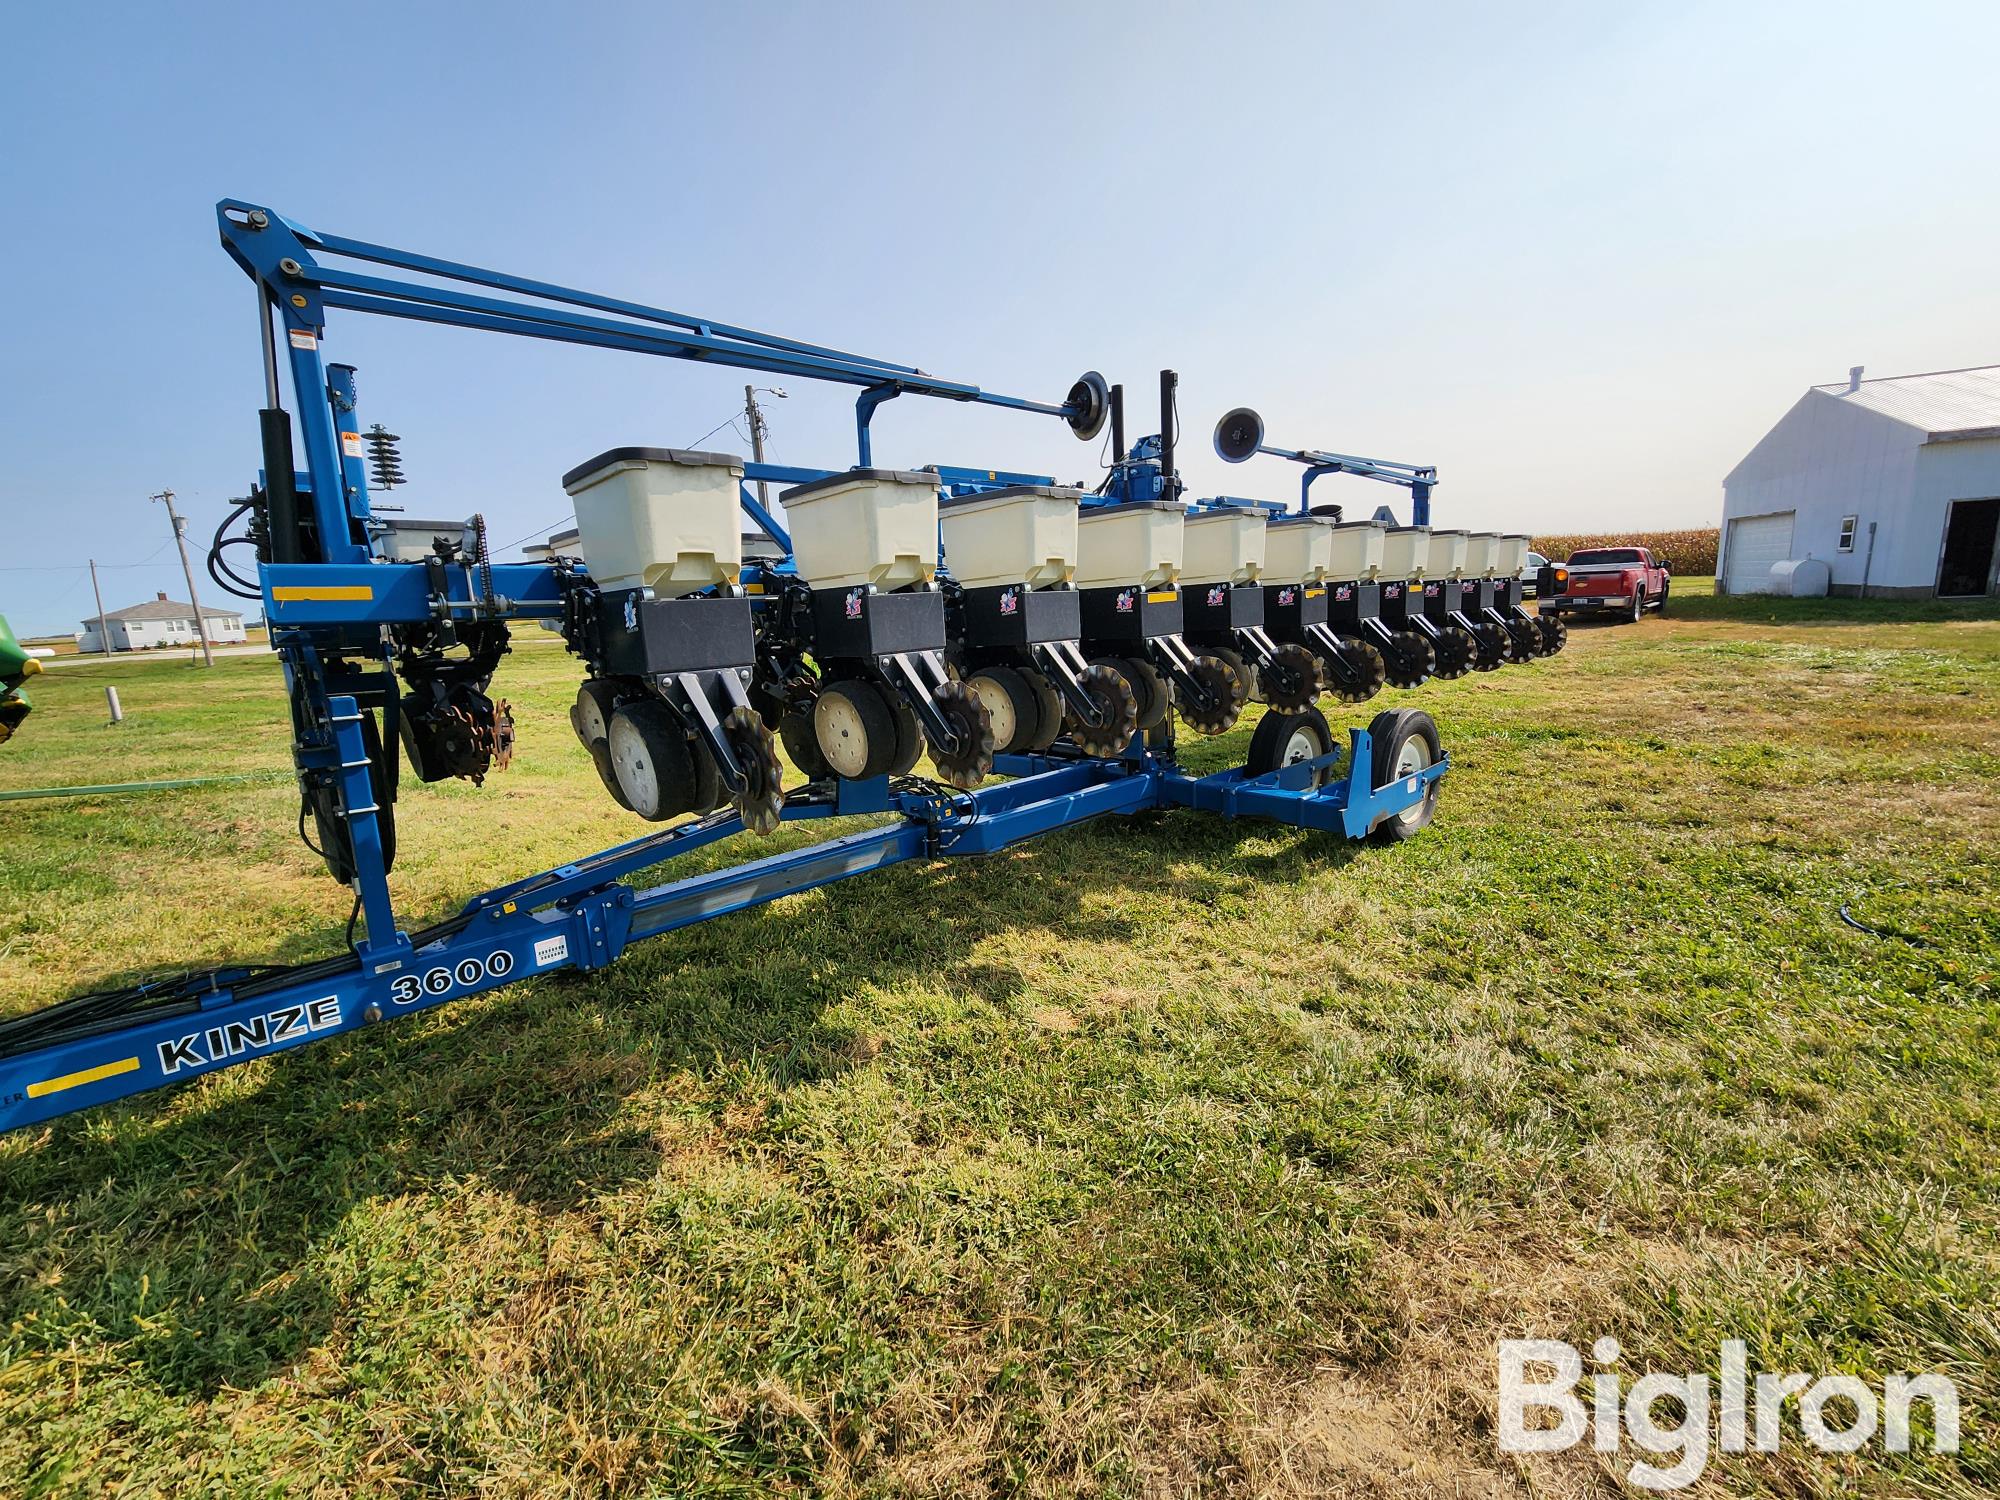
(1025, 533)
(1801, 578)
(1405, 550)
(1479, 554)
(1510, 555)
(659, 518)
(1136, 542)
(1444, 554)
(866, 526)
(1357, 550)
(1224, 545)
(1298, 549)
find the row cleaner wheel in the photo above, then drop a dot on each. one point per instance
(761, 796)
(966, 765)
(1225, 691)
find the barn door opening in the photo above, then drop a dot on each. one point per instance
(1969, 533)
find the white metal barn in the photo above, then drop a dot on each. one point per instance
(1893, 484)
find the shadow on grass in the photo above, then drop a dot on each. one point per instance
(188, 1228)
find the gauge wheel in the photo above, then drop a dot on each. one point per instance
(795, 733)
(652, 760)
(1292, 678)
(909, 734)
(855, 729)
(1366, 671)
(1527, 640)
(1406, 742)
(1110, 693)
(600, 757)
(1555, 633)
(1011, 709)
(1048, 710)
(1225, 692)
(1409, 659)
(336, 838)
(970, 757)
(760, 799)
(590, 715)
(1151, 691)
(709, 792)
(1285, 739)
(1456, 651)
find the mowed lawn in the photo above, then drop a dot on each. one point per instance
(1157, 1157)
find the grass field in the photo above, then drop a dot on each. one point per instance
(1158, 1157)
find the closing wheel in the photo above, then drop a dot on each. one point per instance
(762, 795)
(1555, 633)
(1406, 742)
(1117, 710)
(590, 715)
(1150, 691)
(855, 729)
(1456, 651)
(795, 732)
(1291, 679)
(1048, 710)
(1496, 647)
(1369, 669)
(966, 763)
(1226, 693)
(1408, 660)
(652, 761)
(909, 735)
(1285, 739)
(1010, 707)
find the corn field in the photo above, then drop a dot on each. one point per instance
(1690, 551)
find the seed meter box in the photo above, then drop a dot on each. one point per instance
(1357, 549)
(1139, 542)
(1405, 551)
(1025, 533)
(867, 526)
(1510, 555)
(1478, 554)
(667, 519)
(1444, 553)
(1224, 545)
(1298, 549)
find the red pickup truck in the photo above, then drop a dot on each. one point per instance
(1620, 583)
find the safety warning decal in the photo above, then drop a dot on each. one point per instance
(551, 950)
(302, 338)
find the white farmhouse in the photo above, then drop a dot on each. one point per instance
(1893, 484)
(160, 622)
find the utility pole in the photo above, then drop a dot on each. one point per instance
(103, 625)
(756, 415)
(187, 572)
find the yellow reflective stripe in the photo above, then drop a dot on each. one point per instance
(288, 593)
(78, 1080)
(1162, 596)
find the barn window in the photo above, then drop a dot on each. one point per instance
(1847, 525)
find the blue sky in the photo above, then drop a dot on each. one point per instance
(1578, 256)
